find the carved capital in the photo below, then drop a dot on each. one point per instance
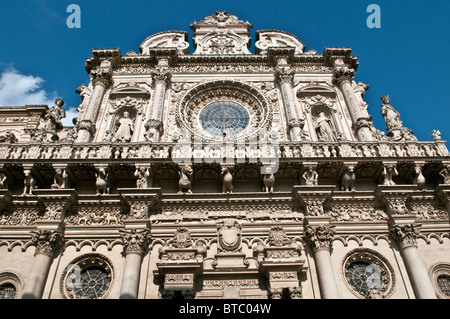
(275, 293)
(47, 241)
(320, 237)
(161, 76)
(343, 74)
(102, 77)
(134, 240)
(362, 122)
(405, 235)
(284, 75)
(86, 125)
(295, 292)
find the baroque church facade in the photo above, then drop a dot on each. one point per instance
(215, 172)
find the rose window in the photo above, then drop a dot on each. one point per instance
(368, 274)
(362, 277)
(443, 282)
(224, 118)
(87, 277)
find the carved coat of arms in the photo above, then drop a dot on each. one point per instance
(229, 235)
(182, 238)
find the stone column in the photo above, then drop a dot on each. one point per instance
(285, 78)
(135, 242)
(101, 80)
(320, 239)
(343, 76)
(406, 236)
(46, 242)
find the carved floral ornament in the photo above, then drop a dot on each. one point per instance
(195, 100)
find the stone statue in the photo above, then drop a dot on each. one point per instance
(54, 116)
(29, 183)
(142, 175)
(268, 180)
(227, 186)
(387, 175)
(184, 183)
(348, 179)
(418, 177)
(61, 179)
(324, 128)
(391, 116)
(102, 183)
(310, 177)
(445, 175)
(436, 135)
(125, 130)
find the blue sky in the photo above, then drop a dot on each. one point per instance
(41, 58)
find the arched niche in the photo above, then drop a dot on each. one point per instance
(320, 108)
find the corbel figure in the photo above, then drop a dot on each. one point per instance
(268, 180)
(29, 183)
(142, 174)
(61, 179)
(389, 171)
(227, 183)
(348, 179)
(184, 183)
(310, 177)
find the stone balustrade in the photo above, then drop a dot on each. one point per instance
(217, 151)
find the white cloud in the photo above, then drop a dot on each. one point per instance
(18, 89)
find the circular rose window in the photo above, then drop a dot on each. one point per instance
(368, 274)
(224, 118)
(87, 277)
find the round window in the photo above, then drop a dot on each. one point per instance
(7, 291)
(368, 274)
(87, 277)
(364, 277)
(443, 282)
(224, 118)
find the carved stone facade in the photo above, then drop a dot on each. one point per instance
(216, 172)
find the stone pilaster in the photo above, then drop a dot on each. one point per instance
(46, 242)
